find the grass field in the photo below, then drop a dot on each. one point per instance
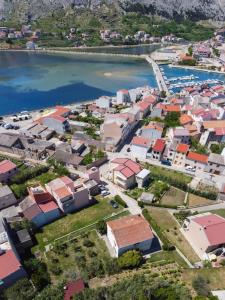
(220, 212)
(173, 196)
(75, 221)
(215, 276)
(171, 228)
(76, 256)
(194, 200)
(168, 256)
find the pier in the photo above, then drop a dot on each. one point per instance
(158, 74)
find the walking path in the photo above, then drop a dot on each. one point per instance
(158, 74)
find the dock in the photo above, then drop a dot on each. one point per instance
(158, 74)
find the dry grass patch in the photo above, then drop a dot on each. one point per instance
(173, 196)
(194, 200)
(171, 229)
(214, 275)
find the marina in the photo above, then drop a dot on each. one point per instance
(177, 78)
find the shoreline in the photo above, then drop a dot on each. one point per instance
(196, 69)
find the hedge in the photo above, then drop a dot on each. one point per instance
(167, 246)
(208, 195)
(27, 174)
(120, 201)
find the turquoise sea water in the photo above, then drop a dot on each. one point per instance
(31, 81)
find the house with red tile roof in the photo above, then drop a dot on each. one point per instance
(158, 149)
(196, 161)
(152, 131)
(186, 119)
(205, 232)
(122, 97)
(57, 120)
(124, 172)
(7, 170)
(144, 108)
(180, 156)
(166, 108)
(67, 195)
(128, 233)
(11, 269)
(140, 146)
(40, 207)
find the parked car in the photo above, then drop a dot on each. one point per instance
(166, 162)
(114, 204)
(105, 193)
(8, 126)
(190, 169)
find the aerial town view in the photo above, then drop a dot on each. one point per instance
(112, 150)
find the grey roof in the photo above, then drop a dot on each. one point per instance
(147, 197)
(217, 159)
(23, 235)
(90, 184)
(68, 158)
(8, 140)
(143, 174)
(5, 191)
(26, 203)
(10, 212)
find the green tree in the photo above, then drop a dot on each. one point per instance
(21, 290)
(130, 259)
(172, 119)
(101, 227)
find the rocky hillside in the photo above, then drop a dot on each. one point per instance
(191, 9)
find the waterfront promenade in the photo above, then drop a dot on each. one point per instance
(159, 77)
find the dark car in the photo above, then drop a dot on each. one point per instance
(166, 162)
(114, 204)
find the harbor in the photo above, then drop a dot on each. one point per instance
(176, 79)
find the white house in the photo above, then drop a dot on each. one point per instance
(129, 233)
(140, 146)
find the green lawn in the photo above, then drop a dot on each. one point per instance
(168, 256)
(75, 221)
(171, 230)
(220, 212)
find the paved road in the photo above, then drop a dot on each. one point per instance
(209, 207)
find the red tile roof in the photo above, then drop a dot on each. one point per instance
(74, 288)
(127, 167)
(159, 145)
(170, 108)
(214, 124)
(198, 157)
(150, 99)
(183, 148)
(184, 119)
(214, 228)
(9, 264)
(48, 206)
(130, 230)
(62, 192)
(220, 131)
(6, 166)
(141, 141)
(143, 105)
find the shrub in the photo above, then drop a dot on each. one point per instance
(200, 285)
(130, 259)
(120, 201)
(27, 174)
(87, 243)
(101, 227)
